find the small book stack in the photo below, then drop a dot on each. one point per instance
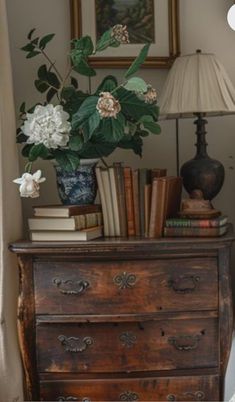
(136, 202)
(187, 227)
(66, 223)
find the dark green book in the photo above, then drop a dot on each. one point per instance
(196, 223)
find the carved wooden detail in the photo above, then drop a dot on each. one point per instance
(125, 280)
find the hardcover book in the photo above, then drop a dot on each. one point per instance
(83, 235)
(65, 210)
(195, 232)
(129, 201)
(77, 222)
(103, 200)
(196, 223)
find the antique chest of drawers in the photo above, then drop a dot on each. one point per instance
(125, 320)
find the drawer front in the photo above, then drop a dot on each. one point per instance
(126, 287)
(204, 388)
(127, 347)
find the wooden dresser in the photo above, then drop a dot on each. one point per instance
(125, 320)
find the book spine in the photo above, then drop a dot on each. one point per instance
(114, 198)
(194, 232)
(119, 178)
(129, 202)
(108, 197)
(147, 207)
(195, 223)
(135, 188)
(158, 208)
(103, 200)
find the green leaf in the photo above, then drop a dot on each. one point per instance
(108, 84)
(84, 44)
(142, 133)
(32, 54)
(41, 86)
(134, 107)
(20, 136)
(28, 48)
(113, 129)
(50, 94)
(38, 151)
(74, 82)
(75, 143)
(87, 108)
(153, 127)
(22, 107)
(140, 59)
(106, 40)
(42, 72)
(45, 40)
(73, 99)
(146, 118)
(93, 122)
(26, 149)
(82, 67)
(97, 149)
(53, 80)
(30, 34)
(136, 84)
(135, 143)
(68, 160)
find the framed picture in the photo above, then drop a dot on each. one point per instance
(154, 21)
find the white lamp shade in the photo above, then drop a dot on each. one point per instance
(197, 83)
(231, 17)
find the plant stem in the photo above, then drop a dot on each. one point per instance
(28, 167)
(52, 64)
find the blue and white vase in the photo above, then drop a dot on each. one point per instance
(80, 186)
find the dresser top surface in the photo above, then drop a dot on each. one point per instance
(106, 244)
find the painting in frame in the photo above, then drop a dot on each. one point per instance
(154, 21)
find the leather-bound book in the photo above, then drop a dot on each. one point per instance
(135, 187)
(158, 173)
(103, 201)
(147, 207)
(114, 197)
(119, 179)
(108, 199)
(165, 202)
(144, 178)
(129, 201)
(157, 214)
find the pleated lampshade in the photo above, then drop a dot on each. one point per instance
(197, 83)
(198, 86)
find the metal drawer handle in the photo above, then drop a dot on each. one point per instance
(72, 398)
(184, 284)
(128, 339)
(185, 342)
(75, 345)
(125, 280)
(129, 396)
(194, 396)
(69, 287)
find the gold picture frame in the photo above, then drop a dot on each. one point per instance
(121, 61)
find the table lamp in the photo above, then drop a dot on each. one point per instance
(198, 86)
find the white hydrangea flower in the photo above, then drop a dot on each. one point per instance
(47, 125)
(29, 184)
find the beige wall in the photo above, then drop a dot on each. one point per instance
(203, 25)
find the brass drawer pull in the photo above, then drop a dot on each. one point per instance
(185, 342)
(71, 398)
(184, 284)
(75, 345)
(129, 396)
(69, 287)
(191, 396)
(128, 339)
(125, 280)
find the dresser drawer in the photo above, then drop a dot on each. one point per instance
(127, 347)
(126, 286)
(199, 388)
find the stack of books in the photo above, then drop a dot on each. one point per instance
(186, 227)
(136, 202)
(66, 223)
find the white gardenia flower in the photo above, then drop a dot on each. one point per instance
(29, 184)
(47, 125)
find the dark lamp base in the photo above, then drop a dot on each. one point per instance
(202, 172)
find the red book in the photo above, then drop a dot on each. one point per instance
(129, 201)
